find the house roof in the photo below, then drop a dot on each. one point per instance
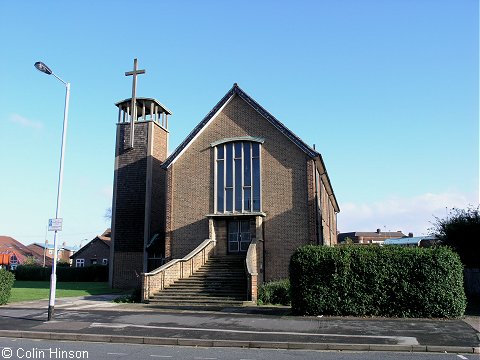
(105, 238)
(51, 246)
(382, 234)
(236, 90)
(9, 245)
(408, 240)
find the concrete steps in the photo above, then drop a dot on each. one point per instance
(221, 282)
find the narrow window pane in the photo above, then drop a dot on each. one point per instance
(247, 176)
(247, 198)
(229, 195)
(220, 186)
(229, 167)
(256, 183)
(255, 150)
(220, 152)
(238, 184)
(238, 150)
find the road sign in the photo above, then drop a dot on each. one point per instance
(55, 224)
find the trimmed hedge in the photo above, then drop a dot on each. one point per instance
(6, 282)
(98, 273)
(380, 281)
(275, 292)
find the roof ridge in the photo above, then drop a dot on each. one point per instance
(257, 107)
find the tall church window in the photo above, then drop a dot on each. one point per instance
(237, 175)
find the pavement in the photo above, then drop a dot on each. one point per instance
(99, 319)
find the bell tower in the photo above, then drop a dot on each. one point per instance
(138, 206)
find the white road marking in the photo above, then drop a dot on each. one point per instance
(116, 354)
(462, 357)
(401, 340)
(202, 358)
(162, 356)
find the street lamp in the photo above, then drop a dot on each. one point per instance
(53, 278)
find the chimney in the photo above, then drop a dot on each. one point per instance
(410, 234)
(378, 231)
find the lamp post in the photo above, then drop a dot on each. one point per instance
(53, 278)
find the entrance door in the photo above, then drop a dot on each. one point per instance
(238, 236)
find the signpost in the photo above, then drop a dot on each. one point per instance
(55, 224)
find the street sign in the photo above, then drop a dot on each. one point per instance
(55, 224)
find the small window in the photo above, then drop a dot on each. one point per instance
(80, 263)
(93, 261)
(105, 261)
(13, 260)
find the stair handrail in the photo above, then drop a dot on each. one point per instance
(176, 269)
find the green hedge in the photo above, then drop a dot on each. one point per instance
(381, 281)
(88, 273)
(275, 292)
(6, 282)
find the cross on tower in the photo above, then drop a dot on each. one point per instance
(134, 73)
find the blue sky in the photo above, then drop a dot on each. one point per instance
(387, 90)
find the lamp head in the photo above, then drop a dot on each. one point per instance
(43, 68)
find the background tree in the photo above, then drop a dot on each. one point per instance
(461, 231)
(30, 261)
(63, 263)
(108, 214)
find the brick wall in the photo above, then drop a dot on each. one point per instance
(96, 249)
(139, 191)
(158, 179)
(284, 188)
(127, 268)
(130, 189)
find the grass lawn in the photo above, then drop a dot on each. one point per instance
(37, 290)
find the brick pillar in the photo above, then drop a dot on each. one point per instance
(138, 199)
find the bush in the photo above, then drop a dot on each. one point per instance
(134, 297)
(98, 273)
(275, 292)
(460, 230)
(6, 282)
(381, 281)
(32, 273)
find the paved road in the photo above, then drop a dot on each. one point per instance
(245, 327)
(45, 349)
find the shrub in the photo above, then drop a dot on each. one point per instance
(275, 292)
(460, 230)
(134, 297)
(380, 281)
(88, 273)
(6, 282)
(32, 273)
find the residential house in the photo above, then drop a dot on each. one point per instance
(64, 252)
(95, 252)
(376, 237)
(14, 253)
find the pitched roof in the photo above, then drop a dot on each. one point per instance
(104, 238)
(9, 245)
(236, 90)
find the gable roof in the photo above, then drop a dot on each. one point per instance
(104, 238)
(236, 90)
(9, 245)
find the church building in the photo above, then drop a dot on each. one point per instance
(240, 186)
